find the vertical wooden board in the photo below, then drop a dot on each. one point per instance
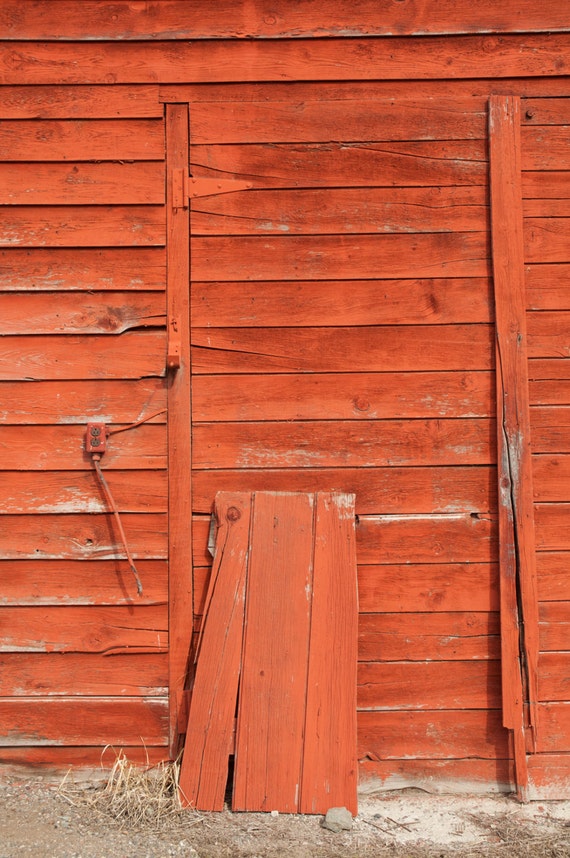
(329, 760)
(179, 437)
(270, 726)
(204, 770)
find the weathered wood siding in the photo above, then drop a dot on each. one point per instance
(342, 339)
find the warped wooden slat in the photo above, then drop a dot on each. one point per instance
(100, 313)
(190, 19)
(341, 302)
(329, 771)
(455, 254)
(78, 582)
(282, 60)
(83, 675)
(83, 536)
(432, 735)
(82, 226)
(82, 183)
(343, 211)
(431, 588)
(336, 396)
(23, 448)
(131, 355)
(364, 443)
(209, 734)
(80, 102)
(342, 349)
(416, 686)
(408, 163)
(82, 269)
(390, 490)
(75, 722)
(76, 140)
(434, 636)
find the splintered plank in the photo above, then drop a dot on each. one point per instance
(209, 736)
(329, 773)
(271, 715)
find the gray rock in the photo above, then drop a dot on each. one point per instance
(337, 819)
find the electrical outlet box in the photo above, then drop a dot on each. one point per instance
(96, 438)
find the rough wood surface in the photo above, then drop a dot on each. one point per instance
(76, 140)
(80, 102)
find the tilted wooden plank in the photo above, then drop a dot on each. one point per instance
(209, 734)
(282, 60)
(190, 19)
(329, 772)
(271, 713)
(80, 102)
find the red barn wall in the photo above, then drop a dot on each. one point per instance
(342, 330)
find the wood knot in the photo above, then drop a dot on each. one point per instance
(233, 514)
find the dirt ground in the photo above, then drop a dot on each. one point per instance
(48, 819)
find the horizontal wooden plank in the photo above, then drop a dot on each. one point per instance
(422, 637)
(550, 427)
(551, 523)
(545, 194)
(83, 721)
(281, 60)
(548, 286)
(336, 257)
(80, 582)
(80, 629)
(130, 355)
(545, 111)
(80, 102)
(89, 269)
(83, 674)
(549, 369)
(346, 210)
(99, 313)
(43, 492)
(453, 538)
(545, 148)
(431, 588)
(551, 478)
(407, 163)
(437, 776)
(553, 733)
(341, 396)
(554, 677)
(431, 735)
(552, 576)
(82, 226)
(430, 685)
(53, 760)
(390, 490)
(78, 140)
(549, 777)
(551, 392)
(87, 537)
(137, 182)
(546, 239)
(548, 207)
(341, 302)
(101, 401)
(342, 349)
(190, 19)
(62, 448)
(349, 443)
(548, 333)
(554, 626)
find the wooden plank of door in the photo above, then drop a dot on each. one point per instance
(519, 608)
(209, 737)
(271, 715)
(329, 760)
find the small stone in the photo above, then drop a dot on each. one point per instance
(337, 819)
(274, 813)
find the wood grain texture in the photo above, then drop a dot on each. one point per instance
(341, 302)
(553, 728)
(291, 59)
(439, 776)
(329, 770)
(455, 254)
(551, 478)
(553, 582)
(545, 148)
(52, 760)
(139, 182)
(82, 270)
(554, 677)
(551, 429)
(342, 349)
(389, 490)
(80, 102)
(547, 286)
(189, 19)
(552, 526)
(76, 140)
